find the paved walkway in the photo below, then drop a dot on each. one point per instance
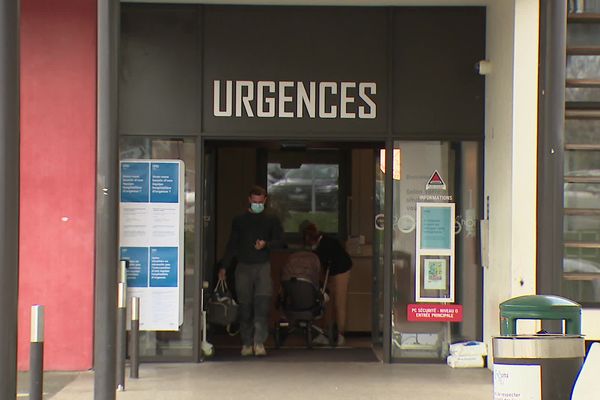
(262, 379)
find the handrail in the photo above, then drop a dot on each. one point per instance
(583, 147)
(583, 83)
(581, 211)
(577, 276)
(582, 179)
(583, 51)
(582, 114)
(585, 17)
(582, 245)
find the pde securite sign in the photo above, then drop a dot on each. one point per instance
(151, 239)
(434, 313)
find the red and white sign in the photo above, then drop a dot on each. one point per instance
(435, 181)
(434, 312)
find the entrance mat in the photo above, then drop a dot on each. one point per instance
(328, 354)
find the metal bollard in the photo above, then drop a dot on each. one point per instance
(134, 339)
(123, 265)
(36, 354)
(121, 335)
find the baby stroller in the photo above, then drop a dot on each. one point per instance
(301, 301)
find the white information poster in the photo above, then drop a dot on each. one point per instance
(435, 252)
(151, 213)
(435, 274)
(517, 382)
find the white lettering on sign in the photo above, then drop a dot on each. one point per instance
(289, 99)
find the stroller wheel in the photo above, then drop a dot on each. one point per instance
(309, 334)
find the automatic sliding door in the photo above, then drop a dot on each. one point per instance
(436, 280)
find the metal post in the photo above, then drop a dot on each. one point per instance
(106, 202)
(134, 337)
(121, 335)
(387, 253)
(9, 195)
(551, 122)
(123, 265)
(36, 354)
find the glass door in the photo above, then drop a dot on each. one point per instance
(174, 344)
(436, 277)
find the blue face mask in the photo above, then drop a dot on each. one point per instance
(257, 208)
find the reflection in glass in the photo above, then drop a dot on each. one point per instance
(310, 192)
(583, 35)
(583, 6)
(582, 131)
(582, 163)
(575, 94)
(582, 228)
(582, 195)
(583, 67)
(177, 344)
(581, 275)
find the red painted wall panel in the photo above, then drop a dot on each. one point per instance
(58, 161)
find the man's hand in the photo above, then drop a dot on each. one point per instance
(222, 274)
(260, 244)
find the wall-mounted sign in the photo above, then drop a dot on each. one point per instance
(434, 313)
(151, 212)
(435, 182)
(290, 99)
(435, 252)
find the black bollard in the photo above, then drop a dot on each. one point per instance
(36, 353)
(134, 339)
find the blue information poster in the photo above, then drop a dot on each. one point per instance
(165, 183)
(435, 252)
(151, 216)
(436, 228)
(137, 271)
(135, 182)
(163, 267)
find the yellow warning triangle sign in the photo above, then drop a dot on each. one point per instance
(435, 182)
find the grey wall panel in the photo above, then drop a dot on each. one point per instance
(295, 44)
(160, 70)
(436, 88)
(437, 92)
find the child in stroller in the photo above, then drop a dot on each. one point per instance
(302, 300)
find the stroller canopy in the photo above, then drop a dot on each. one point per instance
(302, 265)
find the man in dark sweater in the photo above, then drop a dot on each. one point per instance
(253, 235)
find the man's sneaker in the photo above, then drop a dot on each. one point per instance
(341, 340)
(321, 340)
(259, 350)
(246, 351)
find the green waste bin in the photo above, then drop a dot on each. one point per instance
(542, 308)
(541, 366)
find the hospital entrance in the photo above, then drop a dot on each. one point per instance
(341, 187)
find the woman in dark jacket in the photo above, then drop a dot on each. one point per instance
(332, 256)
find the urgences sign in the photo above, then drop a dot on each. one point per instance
(294, 99)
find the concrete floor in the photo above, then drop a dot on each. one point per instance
(263, 379)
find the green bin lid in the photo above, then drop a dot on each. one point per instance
(539, 302)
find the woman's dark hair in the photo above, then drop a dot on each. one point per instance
(257, 191)
(310, 234)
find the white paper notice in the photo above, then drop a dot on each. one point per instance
(151, 239)
(517, 382)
